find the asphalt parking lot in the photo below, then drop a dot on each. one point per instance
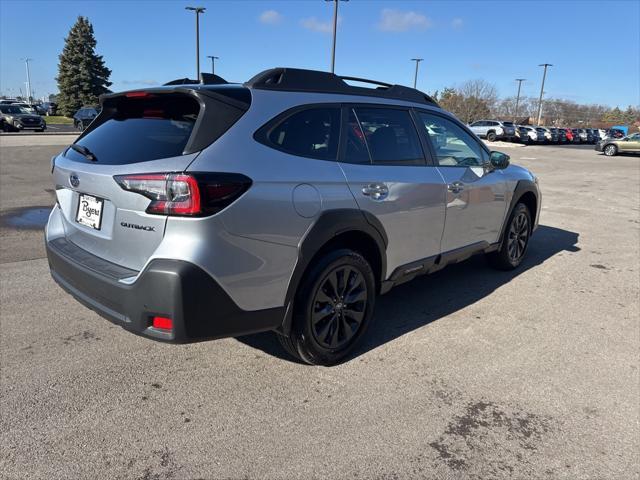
(469, 373)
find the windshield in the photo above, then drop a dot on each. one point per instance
(12, 109)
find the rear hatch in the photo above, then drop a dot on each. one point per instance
(156, 131)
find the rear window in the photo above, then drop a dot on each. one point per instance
(142, 129)
(154, 126)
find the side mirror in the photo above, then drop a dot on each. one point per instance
(499, 160)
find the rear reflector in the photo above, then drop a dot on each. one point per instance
(162, 323)
(186, 194)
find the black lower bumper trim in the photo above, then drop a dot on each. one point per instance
(199, 307)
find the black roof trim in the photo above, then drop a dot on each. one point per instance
(299, 80)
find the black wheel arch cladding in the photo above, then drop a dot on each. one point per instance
(328, 226)
(524, 191)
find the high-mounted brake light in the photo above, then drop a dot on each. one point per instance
(137, 94)
(186, 194)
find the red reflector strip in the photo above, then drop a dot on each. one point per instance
(137, 94)
(162, 323)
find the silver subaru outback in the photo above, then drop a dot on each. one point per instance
(288, 203)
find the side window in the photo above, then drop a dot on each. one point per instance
(311, 133)
(390, 135)
(453, 146)
(356, 149)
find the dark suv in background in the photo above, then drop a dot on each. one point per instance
(83, 117)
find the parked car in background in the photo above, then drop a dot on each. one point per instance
(8, 101)
(568, 134)
(614, 146)
(585, 135)
(28, 108)
(528, 134)
(83, 117)
(576, 135)
(592, 135)
(14, 117)
(548, 135)
(509, 128)
(50, 108)
(493, 130)
(168, 206)
(560, 135)
(40, 109)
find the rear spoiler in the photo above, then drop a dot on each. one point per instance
(205, 79)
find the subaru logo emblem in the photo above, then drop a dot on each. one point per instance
(74, 180)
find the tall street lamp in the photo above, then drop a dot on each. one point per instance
(415, 76)
(26, 62)
(544, 76)
(198, 11)
(213, 63)
(335, 28)
(519, 80)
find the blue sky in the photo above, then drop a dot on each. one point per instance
(594, 46)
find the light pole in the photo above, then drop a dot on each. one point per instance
(544, 76)
(415, 76)
(335, 28)
(198, 11)
(26, 62)
(519, 80)
(213, 63)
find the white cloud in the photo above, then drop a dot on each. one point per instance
(315, 25)
(457, 23)
(401, 21)
(270, 17)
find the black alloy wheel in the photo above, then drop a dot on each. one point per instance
(518, 237)
(339, 307)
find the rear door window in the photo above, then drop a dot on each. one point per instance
(390, 136)
(312, 132)
(356, 150)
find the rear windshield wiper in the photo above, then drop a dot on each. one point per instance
(88, 154)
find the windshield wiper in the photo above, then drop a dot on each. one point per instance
(88, 154)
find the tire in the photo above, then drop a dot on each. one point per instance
(610, 150)
(327, 339)
(491, 136)
(515, 241)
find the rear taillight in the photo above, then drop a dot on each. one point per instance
(186, 194)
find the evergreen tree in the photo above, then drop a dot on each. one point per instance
(82, 75)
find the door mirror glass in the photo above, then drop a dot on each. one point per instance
(499, 160)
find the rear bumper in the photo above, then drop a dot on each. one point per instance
(199, 307)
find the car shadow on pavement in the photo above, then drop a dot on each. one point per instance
(432, 297)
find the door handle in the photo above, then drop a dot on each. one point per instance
(455, 187)
(377, 191)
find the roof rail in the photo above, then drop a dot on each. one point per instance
(205, 79)
(299, 80)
